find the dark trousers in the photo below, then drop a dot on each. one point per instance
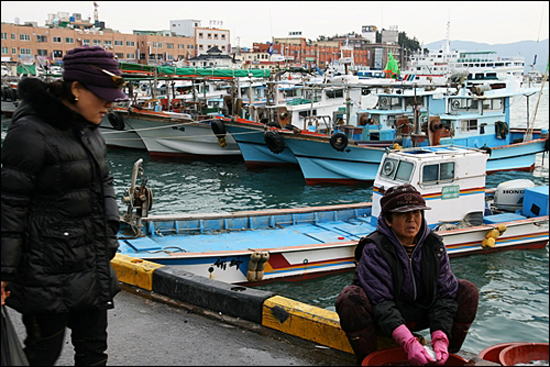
(46, 332)
(356, 315)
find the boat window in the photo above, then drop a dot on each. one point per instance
(433, 174)
(463, 104)
(468, 125)
(430, 173)
(313, 94)
(493, 105)
(409, 102)
(337, 93)
(447, 171)
(394, 169)
(404, 171)
(390, 103)
(303, 114)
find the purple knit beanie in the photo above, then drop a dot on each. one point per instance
(97, 70)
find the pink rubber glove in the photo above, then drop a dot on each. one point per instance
(416, 354)
(440, 344)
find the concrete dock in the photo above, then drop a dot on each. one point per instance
(166, 316)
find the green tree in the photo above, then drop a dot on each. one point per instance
(407, 43)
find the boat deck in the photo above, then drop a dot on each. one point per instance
(300, 235)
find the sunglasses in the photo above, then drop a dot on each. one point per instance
(118, 81)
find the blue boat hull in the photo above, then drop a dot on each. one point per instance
(254, 150)
(321, 163)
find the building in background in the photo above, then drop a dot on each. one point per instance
(184, 28)
(208, 37)
(187, 39)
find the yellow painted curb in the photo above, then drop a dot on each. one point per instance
(133, 271)
(305, 321)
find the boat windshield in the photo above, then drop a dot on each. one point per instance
(463, 104)
(397, 170)
(389, 103)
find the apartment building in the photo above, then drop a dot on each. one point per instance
(206, 38)
(30, 44)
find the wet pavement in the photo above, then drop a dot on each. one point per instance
(146, 331)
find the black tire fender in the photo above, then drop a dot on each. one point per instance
(339, 141)
(116, 120)
(218, 128)
(487, 150)
(274, 141)
(274, 124)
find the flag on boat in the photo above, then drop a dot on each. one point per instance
(392, 68)
(270, 49)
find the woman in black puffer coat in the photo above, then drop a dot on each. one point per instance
(59, 211)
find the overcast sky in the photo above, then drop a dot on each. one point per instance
(258, 21)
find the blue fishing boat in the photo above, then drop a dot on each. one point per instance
(478, 118)
(251, 247)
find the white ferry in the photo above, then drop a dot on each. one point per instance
(475, 66)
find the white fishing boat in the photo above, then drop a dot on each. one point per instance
(251, 247)
(166, 134)
(174, 120)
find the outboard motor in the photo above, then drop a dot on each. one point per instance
(509, 194)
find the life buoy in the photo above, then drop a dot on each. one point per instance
(116, 120)
(274, 141)
(339, 141)
(218, 128)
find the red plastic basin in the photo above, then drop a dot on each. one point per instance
(491, 353)
(523, 353)
(398, 357)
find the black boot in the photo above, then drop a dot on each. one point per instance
(363, 343)
(458, 334)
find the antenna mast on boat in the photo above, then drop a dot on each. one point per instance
(447, 43)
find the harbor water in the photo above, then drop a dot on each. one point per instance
(513, 285)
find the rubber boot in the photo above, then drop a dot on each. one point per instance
(458, 334)
(363, 343)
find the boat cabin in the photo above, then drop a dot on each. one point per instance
(451, 179)
(476, 118)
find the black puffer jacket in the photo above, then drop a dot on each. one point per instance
(59, 211)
